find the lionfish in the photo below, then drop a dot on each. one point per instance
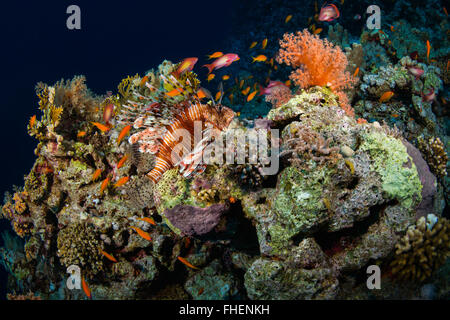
(161, 122)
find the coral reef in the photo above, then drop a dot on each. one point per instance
(424, 248)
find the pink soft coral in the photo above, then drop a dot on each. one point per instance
(317, 63)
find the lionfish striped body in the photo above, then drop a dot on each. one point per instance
(171, 131)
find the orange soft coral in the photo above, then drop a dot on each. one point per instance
(317, 63)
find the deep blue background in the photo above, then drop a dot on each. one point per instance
(117, 39)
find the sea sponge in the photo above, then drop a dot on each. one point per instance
(423, 249)
(79, 245)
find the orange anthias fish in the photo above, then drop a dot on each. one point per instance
(241, 83)
(148, 220)
(121, 182)
(428, 50)
(288, 18)
(215, 55)
(264, 44)
(185, 65)
(86, 289)
(210, 77)
(101, 126)
(392, 28)
(356, 72)
(184, 261)
(81, 134)
(223, 61)
(329, 13)
(201, 94)
(445, 11)
(386, 96)
(246, 91)
(225, 77)
(122, 161)
(174, 92)
(260, 58)
(104, 185)
(32, 121)
(108, 112)
(251, 95)
(254, 43)
(317, 31)
(123, 133)
(108, 256)
(144, 81)
(142, 233)
(218, 95)
(96, 174)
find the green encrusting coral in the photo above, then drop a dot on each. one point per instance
(400, 179)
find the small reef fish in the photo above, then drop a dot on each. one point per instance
(448, 64)
(148, 220)
(254, 43)
(260, 58)
(215, 55)
(386, 96)
(104, 185)
(186, 65)
(184, 261)
(81, 134)
(96, 174)
(329, 13)
(225, 77)
(211, 77)
(101, 126)
(86, 289)
(241, 84)
(232, 200)
(288, 83)
(264, 44)
(246, 91)
(174, 92)
(142, 233)
(288, 18)
(201, 94)
(32, 121)
(251, 95)
(416, 72)
(221, 62)
(356, 72)
(445, 11)
(123, 133)
(108, 112)
(231, 97)
(121, 182)
(392, 28)
(122, 162)
(218, 95)
(200, 291)
(108, 256)
(144, 81)
(268, 90)
(428, 50)
(317, 31)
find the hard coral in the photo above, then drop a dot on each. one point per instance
(317, 63)
(78, 245)
(434, 151)
(423, 249)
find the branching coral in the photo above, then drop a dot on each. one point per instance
(317, 63)
(423, 249)
(434, 152)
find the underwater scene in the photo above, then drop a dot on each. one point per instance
(226, 150)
